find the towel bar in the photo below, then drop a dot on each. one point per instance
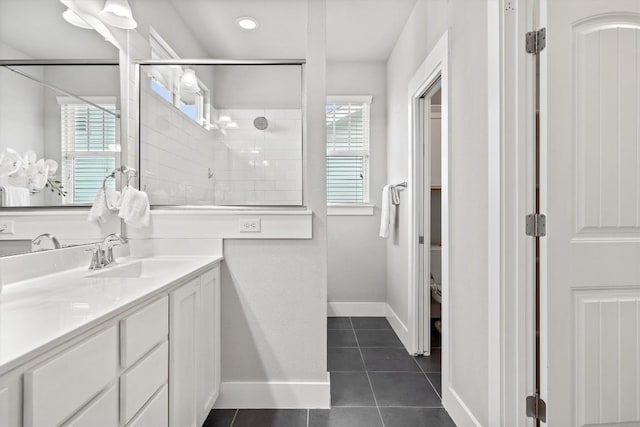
(130, 174)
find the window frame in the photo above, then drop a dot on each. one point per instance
(160, 49)
(68, 157)
(364, 207)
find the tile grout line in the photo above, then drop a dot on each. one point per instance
(433, 387)
(373, 393)
(233, 420)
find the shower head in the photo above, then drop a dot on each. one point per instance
(261, 123)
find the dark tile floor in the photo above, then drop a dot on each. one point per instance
(374, 383)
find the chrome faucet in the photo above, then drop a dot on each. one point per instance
(108, 243)
(38, 240)
(103, 252)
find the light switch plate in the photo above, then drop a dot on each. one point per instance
(249, 225)
(6, 227)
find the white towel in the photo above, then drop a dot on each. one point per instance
(385, 211)
(100, 212)
(134, 209)
(15, 196)
(394, 195)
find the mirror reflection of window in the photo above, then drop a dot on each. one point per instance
(89, 147)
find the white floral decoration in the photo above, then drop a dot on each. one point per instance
(28, 171)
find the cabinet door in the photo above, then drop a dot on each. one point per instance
(183, 350)
(209, 354)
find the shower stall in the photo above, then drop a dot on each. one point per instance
(221, 133)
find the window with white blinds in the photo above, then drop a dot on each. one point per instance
(89, 147)
(348, 149)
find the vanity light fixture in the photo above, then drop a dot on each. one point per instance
(118, 14)
(247, 23)
(72, 18)
(189, 80)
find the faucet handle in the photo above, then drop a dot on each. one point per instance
(97, 257)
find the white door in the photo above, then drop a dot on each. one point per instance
(183, 350)
(591, 254)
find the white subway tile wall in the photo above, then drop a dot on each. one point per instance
(184, 164)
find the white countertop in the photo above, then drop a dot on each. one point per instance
(38, 314)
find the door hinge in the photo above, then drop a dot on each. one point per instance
(536, 225)
(536, 408)
(421, 240)
(536, 41)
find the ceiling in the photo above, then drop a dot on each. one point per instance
(364, 30)
(357, 30)
(36, 28)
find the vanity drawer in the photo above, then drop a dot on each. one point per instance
(59, 387)
(156, 413)
(142, 381)
(141, 331)
(102, 412)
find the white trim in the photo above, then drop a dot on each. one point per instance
(64, 100)
(398, 326)
(275, 394)
(434, 66)
(354, 99)
(516, 305)
(166, 50)
(347, 209)
(205, 223)
(356, 309)
(495, 226)
(458, 410)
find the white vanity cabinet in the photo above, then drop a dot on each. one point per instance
(156, 364)
(208, 363)
(195, 350)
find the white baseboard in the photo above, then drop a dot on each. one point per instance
(357, 309)
(458, 410)
(275, 395)
(398, 326)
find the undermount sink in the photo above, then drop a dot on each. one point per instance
(142, 269)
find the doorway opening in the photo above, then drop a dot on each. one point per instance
(428, 193)
(430, 216)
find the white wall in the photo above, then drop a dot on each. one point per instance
(21, 107)
(357, 256)
(274, 299)
(21, 112)
(467, 24)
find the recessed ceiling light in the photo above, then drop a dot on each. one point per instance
(247, 23)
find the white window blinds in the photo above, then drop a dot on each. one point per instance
(89, 146)
(347, 150)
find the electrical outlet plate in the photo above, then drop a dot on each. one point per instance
(249, 225)
(6, 227)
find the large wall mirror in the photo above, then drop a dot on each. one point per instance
(221, 134)
(59, 133)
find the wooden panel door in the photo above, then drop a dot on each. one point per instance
(591, 254)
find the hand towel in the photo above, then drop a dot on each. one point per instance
(134, 209)
(100, 212)
(385, 212)
(394, 195)
(15, 196)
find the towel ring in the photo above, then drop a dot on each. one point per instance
(128, 172)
